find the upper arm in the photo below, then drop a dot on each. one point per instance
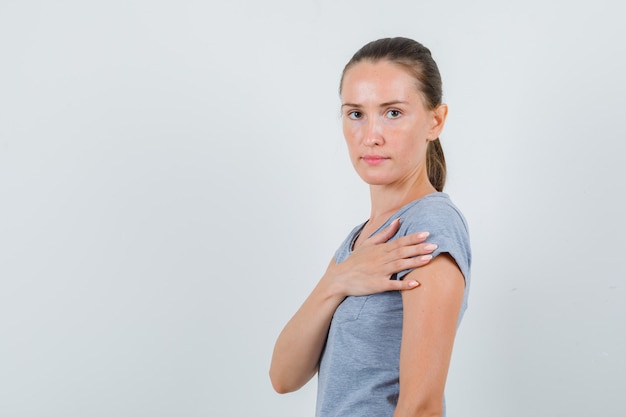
(431, 313)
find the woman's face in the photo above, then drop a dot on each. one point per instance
(386, 124)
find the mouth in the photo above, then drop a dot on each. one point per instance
(373, 159)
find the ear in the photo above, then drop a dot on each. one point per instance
(439, 115)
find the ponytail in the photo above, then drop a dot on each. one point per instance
(436, 164)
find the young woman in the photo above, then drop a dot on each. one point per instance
(380, 325)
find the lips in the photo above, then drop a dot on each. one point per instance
(374, 159)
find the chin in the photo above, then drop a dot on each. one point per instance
(375, 180)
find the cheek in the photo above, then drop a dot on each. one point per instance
(350, 130)
(345, 129)
(351, 134)
(413, 146)
(350, 142)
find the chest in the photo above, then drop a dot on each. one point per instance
(372, 324)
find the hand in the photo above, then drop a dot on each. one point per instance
(369, 268)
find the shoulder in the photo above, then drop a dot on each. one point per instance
(436, 212)
(446, 225)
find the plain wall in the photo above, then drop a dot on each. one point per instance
(173, 183)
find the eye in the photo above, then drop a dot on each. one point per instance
(393, 114)
(355, 115)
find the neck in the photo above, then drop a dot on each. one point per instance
(387, 199)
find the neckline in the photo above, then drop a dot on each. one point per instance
(357, 231)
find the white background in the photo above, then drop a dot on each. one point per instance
(173, 182)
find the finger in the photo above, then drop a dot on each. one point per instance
(410, 263)
(385, 234)
(414, 250)
(412, 239)
(404, 285)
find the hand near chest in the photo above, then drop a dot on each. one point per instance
(371, 264)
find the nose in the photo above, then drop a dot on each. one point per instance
(373, 134)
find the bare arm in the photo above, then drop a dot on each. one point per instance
(299, 346)
(366, 271)
(428, 331)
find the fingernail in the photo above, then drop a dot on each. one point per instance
(423, 235)
(426, 257)
(413, 284)
(430, 246)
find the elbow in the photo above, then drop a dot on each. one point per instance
(281, 389)
(286, 377)
(424, 412)
(421, 408)
(280, 384)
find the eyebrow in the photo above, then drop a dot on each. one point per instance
(385, 104)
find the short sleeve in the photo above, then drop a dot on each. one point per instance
(447, 228)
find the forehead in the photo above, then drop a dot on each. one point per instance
(381, 80)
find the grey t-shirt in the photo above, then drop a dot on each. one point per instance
(359, 368)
